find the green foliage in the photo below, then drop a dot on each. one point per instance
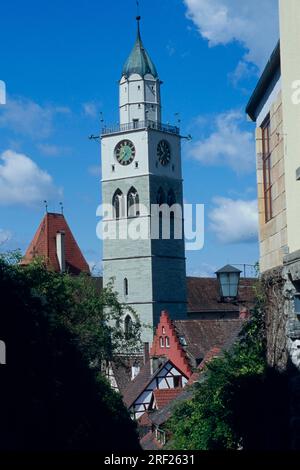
(95, 319)
(216, 417)
(55, 328)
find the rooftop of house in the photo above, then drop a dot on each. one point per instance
(44, 245)
(204, 295)
(165, 395)
(271, 69)
(198, 337)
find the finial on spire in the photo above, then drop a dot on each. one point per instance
(46, 206)
(61, 208)
(138, 16)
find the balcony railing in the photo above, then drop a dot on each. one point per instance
(131, 126)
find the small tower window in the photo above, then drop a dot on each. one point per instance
(133, 203)
(139, 87)
(113, 168)
(161, 342)
(139, 106)
(163, 330)
(167, 342)
(117, 203)
(128, 325)
(136, 164)
(125, 286)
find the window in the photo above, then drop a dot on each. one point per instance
(128, 326)
(139, 87)
(136, 164)
(266, 160)
(135, 123)
(161, 342)
(177, 381)
(182, 341)
(133, 203)
(167, 342)
(113, 168)
(163, 330)
(125, 286)
(117, 203)
(139, 106)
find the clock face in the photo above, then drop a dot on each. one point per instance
(164, 152)
(125, 152)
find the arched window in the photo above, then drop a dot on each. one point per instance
(171, 198)
(128, 326)
(117, 203)
(125, 286)
(133, 203)
(167, 342)
(161, 342)
(160, 199)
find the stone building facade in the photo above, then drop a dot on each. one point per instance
(275, 107)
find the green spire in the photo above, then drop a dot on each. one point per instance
(139, 61)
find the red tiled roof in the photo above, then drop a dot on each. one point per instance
(164, 396)
(44, 245)
(148, 442)
(204, 295)
(144, 420)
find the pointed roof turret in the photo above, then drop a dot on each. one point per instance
(139, 61)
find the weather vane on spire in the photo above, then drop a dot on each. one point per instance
(138, 16)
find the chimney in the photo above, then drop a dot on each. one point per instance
(146, 352)
(60, 250)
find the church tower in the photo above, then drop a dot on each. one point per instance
(141, 169)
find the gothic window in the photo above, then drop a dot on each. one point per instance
(167, 342)
(161, 342)
(125, 286)
(161, 199)
(128, 326)
(171, 198)
(133, 203)
(117, 203)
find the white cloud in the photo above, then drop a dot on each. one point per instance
(23, 182)
(91, 109)
(5, 236)
(204, 270)
(225, 21)
(234, 221)
(229, 144)
(24, 116)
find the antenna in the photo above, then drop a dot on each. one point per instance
(46, 206)
(61, 208)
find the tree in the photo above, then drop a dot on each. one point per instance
(54, 327)
(236, 404)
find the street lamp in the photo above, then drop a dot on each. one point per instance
(229, 281)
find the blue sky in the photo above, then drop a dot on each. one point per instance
(61, 61)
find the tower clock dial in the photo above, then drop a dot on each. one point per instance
(125, 152)
(164, 152)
